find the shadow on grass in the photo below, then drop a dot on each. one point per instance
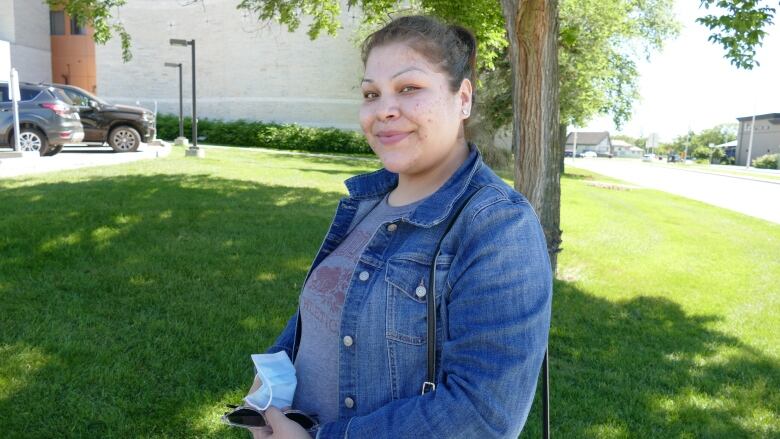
(643, 368)
(130, 306)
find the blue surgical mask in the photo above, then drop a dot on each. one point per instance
(277, 374)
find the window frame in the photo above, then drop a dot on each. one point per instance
(54, 16)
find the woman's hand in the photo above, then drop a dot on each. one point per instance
(279, 427)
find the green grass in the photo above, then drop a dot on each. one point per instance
(131, 297)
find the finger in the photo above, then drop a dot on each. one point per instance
(261, 432)
(274, 416)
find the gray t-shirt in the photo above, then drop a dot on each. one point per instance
(317, 361)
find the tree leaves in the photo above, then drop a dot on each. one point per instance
(97, 14)
(739, 29)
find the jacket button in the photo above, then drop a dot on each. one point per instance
(349, 402)
(420, 291)
(348, 341)
(363, 276)
(391, 228)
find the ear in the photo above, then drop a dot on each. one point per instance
(465, 93)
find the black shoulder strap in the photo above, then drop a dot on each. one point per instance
(429, 384)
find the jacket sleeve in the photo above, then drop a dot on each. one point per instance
(498, 319)
(286, 339)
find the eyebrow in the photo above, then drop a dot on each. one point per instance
(408, 69)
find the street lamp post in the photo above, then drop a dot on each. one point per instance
(192, 151)
(181, 140)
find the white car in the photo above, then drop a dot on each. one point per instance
(589, 155)
(648, 157)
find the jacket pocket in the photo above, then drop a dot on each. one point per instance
(407, 294)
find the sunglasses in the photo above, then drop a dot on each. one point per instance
(248, 417)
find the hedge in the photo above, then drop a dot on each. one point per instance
(266, 135)
(767, 161)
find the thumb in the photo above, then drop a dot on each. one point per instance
(274, 416)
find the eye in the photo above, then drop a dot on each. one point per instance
(409, 88)
(368, 95)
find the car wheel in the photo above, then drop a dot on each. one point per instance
(54, 150)
(124, 139)
(32, 140)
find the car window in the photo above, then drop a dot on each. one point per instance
(4, 96)
(77, 98)
(63, 96)
(28, 94)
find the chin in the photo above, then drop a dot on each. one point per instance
(395, 166)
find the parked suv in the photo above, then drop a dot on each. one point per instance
(122, 126)
(47, 121)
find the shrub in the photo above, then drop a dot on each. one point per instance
(702, 153)
(266, 135)
(767, 161)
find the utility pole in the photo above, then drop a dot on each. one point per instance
(750, 143)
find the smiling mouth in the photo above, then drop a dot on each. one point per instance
(391, 138)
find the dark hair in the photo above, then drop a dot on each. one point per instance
(452, 47)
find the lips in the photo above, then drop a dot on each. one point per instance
(391, 137)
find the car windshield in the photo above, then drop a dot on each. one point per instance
(59, 94)
(77, 90)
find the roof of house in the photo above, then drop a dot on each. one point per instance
(727, 144)
(761, 117)
(621, 143)
(588, 138)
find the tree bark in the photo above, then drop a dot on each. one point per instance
(532, 30)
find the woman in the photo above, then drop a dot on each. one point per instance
(358, 339)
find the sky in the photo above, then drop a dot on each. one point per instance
(691, 84)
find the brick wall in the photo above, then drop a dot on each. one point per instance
(244, 70)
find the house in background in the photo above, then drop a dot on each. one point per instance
(766, 137)
(621, 148)
(729, 148)
(598, 142)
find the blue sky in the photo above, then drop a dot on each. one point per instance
(690, 84)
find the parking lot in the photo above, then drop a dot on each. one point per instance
(74, 157)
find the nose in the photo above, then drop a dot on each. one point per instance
(387, 109)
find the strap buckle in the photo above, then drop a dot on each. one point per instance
(428, 387)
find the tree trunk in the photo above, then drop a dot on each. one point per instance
(532, 30)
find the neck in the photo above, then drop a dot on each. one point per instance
(415, 187)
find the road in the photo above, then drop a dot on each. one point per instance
(751, 197)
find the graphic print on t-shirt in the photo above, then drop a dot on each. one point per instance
(329, 282)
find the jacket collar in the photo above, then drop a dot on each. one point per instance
(433, 209)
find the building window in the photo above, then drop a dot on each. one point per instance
(76, 28)
(57, 22)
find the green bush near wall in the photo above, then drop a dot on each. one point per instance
(768, 161)
(266, 135)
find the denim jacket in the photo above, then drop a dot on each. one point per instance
(493, 296)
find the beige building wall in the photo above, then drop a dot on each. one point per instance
(25, 24)
(244, 70)
(766, 138)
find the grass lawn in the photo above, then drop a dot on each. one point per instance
(131, 297)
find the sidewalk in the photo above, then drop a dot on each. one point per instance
(74, 157)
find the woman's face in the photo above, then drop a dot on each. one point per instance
(410, 117)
